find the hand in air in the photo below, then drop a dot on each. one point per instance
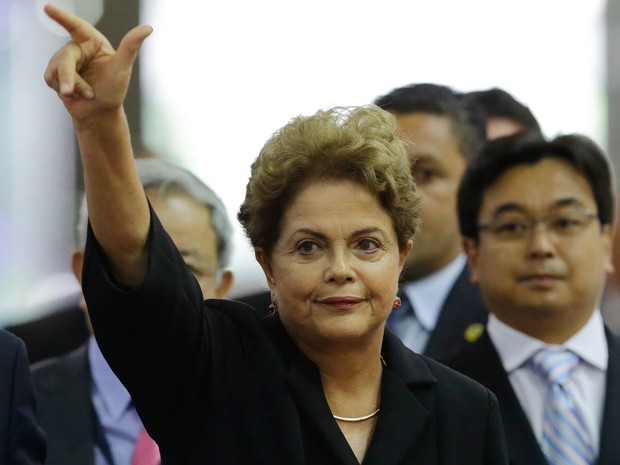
(87, 73)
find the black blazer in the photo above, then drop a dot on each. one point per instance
(21, 440)
(63, 390)
(482, 363)
(215, 384)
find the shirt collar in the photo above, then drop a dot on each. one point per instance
(115, 397)
(515, 348)
(428, 294)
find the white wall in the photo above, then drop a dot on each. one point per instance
(219, 77)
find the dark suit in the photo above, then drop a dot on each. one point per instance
(215, 384)
(63, 389)
(21, 440)
(481, 362)
(52, 335)
(462, 308)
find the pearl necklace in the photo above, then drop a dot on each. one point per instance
(354, 419)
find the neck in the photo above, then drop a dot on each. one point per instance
(352, 382)
(552, 328)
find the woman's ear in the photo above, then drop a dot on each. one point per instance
(264, 261)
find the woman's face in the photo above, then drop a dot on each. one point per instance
(334, 269)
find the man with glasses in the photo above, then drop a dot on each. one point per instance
(536, 217)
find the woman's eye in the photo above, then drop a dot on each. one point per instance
(307, 247)
(368, 245)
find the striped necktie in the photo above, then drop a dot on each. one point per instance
(566, 439)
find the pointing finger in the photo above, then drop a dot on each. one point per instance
(79, 29)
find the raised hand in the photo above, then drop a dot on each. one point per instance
(90, 76)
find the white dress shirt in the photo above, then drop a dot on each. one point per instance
(587, 382)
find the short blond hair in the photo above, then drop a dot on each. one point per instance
(359, 144)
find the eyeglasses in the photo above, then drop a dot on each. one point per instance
(560, 225)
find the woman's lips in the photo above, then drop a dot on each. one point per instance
(341, 302)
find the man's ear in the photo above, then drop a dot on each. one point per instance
(77, 263)
(224, 284)
(608, 244)
(470, 246)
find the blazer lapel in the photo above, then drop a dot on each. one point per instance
(407, 403)
(304, 382)
(609, 452)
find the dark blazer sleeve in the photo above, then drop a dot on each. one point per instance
(21, 440)
(179, 357)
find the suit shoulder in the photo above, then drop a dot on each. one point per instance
(260, 301)
(60, 369)
(8, 340)
(453, 382)
(469, 359)
(11, 347)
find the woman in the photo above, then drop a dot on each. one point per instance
(331, 210)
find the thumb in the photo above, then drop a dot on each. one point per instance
(130, 45)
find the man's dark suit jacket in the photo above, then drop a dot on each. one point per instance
(215, 384)
(462, 308)
(58, 333)
(63, 390)
(482, 362)
(21, 440)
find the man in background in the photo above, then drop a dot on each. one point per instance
(537, 218)
(505, 115)
(85, 411)
(21, 440)
(441, 310)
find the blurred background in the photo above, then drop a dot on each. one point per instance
(217, 78)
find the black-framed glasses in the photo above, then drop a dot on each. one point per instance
(516, 226)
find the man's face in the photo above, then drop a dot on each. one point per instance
(189, 225)
(542, 258)
(437, 171)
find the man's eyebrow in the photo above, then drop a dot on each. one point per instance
(508, 207)
(568, 202)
